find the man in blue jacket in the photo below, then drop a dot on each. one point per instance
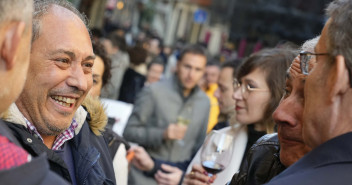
(15, 36)
(48, 116)
(327, 113)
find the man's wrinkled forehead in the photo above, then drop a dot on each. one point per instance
(294, 71)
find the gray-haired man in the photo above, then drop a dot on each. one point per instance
(48, 116)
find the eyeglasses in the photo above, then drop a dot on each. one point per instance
(305, 57)
(245, 88)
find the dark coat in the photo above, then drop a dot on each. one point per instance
(330, 163)
(90, 153)
(132, 84)
(261, 164)
(35, 172)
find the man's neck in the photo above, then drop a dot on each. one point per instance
(48, 141)
(186, 92)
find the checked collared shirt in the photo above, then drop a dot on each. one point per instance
(61, 138)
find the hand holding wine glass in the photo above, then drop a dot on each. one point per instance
(216, 152)
(198, 176)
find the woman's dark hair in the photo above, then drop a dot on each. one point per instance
(100, 51)
(138, 55)
(274, 63)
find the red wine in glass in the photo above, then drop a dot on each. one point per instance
(212, 167)
(216, 152)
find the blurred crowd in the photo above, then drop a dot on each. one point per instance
(287, 110)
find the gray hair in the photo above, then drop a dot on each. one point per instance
(16, 10)
(339, 35)
(41, 8)
(309, 45)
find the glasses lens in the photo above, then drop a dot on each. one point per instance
(305, 63)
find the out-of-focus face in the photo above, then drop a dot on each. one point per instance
(317, 117)
(14, 81)
(108, 46)
(251, 109)
(212, 74)
(98, 71)
(190, 69)
(154, 47)
(289, 115)
(60, 72)
(225, 91)
(154, 73)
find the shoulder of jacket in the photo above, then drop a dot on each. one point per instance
(268, 139)
(98, 118)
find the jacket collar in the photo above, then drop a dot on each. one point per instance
(179, 87)
(91, 109)
(14, 115)
(336, 150)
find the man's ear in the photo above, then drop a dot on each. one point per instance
(339, 80)
(10, 44)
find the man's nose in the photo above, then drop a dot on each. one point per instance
(77, 78)
(285, 112)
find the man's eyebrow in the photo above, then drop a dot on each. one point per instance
(71, 54)
(90, 57)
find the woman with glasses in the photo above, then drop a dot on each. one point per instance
(258, 88)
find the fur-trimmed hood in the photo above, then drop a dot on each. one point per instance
(96, 110)
(93, 106)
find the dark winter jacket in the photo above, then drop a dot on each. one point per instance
(262, 162)
(35, 172)
(90, 153)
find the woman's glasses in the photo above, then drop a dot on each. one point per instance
(245, 88)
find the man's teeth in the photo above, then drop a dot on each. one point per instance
(64, 101)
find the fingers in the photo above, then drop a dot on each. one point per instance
(171, 177)
(169, 168)
(175, 131)
(195, 178)
(142, 160)
(161, 177)
(198, 168)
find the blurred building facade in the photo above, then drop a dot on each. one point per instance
(247, 24)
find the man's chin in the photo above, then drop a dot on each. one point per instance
(51, 130)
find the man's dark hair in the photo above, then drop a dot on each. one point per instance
(41, 8)
(234, 64)
(213, 63)
(193, 49)
(100, 51)
(156, 60)
(118, 41)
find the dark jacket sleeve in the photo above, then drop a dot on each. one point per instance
(35, 172)
(114, 140)
(262, 163)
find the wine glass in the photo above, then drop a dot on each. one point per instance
(216, 152)
(184, 120)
